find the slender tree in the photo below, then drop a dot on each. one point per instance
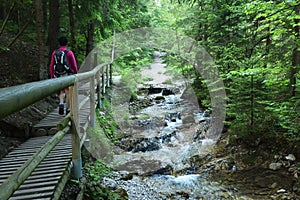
(43, 69)
(54, 31)
(72, 23)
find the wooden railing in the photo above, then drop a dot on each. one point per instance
(15, 98)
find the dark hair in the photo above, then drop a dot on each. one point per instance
(63, 41)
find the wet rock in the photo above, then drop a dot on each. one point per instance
(109, 183)
(275, 166)
(274, 185)
(281, 191)
(173, 117)
(154, 90)
(290, 157)
(188, 119)
(167, 170)
(140, 167)
(144, 146)
(167, 92)
(206, 113)
(225, 195)
(159, 98)
(125, 175)
(183, 194)
(143, 123)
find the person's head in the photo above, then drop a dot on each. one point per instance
(63, 41)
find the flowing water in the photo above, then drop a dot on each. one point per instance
(162, 137)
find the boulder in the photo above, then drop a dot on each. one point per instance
(275, 166)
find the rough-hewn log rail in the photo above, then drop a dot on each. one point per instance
(15, 98)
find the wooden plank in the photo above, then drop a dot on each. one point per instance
(8, 165)
(34, 191)
(49, 172)
(40, 180)
(50, 159)
(21, 154)
(44, 176)
(61, 165)
(4, 169)
(28, 147)
(38, 184)
(54, 163)
(44, 196)
(4, 160)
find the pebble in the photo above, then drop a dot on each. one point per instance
(281, 191)
(136, 190)
(275, 166)
(290, 157)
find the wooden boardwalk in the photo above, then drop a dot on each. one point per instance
(47, 126)
(48, 179)
(49, 174)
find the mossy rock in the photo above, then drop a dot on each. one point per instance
(159, 98)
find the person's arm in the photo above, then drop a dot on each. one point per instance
(51, 68)
(72, 62)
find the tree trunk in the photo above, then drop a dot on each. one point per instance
(40, 38)
(53, 25)
(6, 18)
(45, 7)
(2, 11)
(90, 38)
(294, 70)
(22, 29)
(72, 23)
(295, 58)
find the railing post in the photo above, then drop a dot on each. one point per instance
(110, 73)
(103, 82)
(98, 90)
(107, 76)
(92, 102)
(76, 149)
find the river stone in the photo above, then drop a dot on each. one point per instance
(188, 119)
(167, 92)
(159, 98)
(125, 175)
(281, 191)
(275, 166)
(109, 183)
(290, 157)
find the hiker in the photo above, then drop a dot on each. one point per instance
(63, 63)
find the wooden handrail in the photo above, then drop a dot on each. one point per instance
(15, 98)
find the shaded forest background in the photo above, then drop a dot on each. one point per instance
(255, 45)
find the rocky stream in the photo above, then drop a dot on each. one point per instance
(167, 152)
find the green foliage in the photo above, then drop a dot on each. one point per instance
(97, 170)
(253, 44)
(137, 59)
(131, 65)
(108, 125)
(94, 173)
